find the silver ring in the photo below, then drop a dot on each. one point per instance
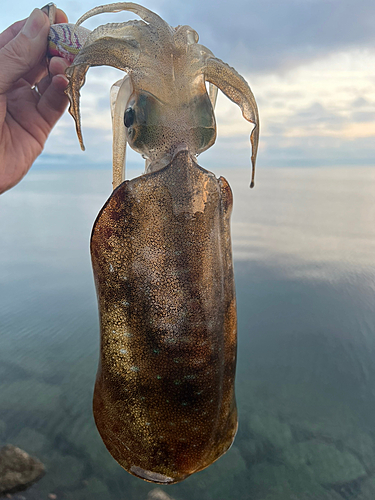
(35, 88)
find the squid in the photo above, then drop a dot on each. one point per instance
(164, 401)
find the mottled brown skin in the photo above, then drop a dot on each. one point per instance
(164, 398)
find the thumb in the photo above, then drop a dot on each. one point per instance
(25, 51)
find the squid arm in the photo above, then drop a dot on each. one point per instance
(120, 93)
(121, 54)
(235, 87)
(212, 92)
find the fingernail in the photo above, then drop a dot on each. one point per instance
(63, 77)
(34, 24)
(50, 11)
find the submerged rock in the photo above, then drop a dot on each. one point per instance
(367, 490)
(263, 438)
(269, 429)
(158, 494)
(327, 464)
(94, 489)
(18, 470)
(279, 482)
(33, 441)
(30, 396)
(63, 472)
(2, 429)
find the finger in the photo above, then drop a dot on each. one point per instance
(24, 52)
(43, 84)
(54, 14)
(53, 102)
(60, 83)
(60, 17)
(57, 66)
(37, 73)
(7, 35)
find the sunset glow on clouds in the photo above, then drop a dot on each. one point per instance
(310, 64)
(323, 110)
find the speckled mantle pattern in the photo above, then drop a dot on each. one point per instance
(164, 399)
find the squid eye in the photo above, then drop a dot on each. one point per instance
(129, 117)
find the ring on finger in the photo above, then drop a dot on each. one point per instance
(36, 89)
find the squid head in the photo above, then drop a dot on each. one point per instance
(161, 105)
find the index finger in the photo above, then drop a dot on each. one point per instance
(60, 17)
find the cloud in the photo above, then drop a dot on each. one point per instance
(252, 35)
(320, 113)
(277, 36)
(309, 63)
(315, 117)
(363, 116)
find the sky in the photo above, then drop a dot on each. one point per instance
(309, 63)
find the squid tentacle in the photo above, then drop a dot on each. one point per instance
(235, 87)
(115, 30)
(120, 93)
(145, 14)
(122, 54)
(212, 92)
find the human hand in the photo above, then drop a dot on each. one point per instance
(28, 114)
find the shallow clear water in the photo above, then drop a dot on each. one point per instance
(303, 241)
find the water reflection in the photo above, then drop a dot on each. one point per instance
(303, 247)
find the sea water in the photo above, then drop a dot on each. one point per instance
(304, 253)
